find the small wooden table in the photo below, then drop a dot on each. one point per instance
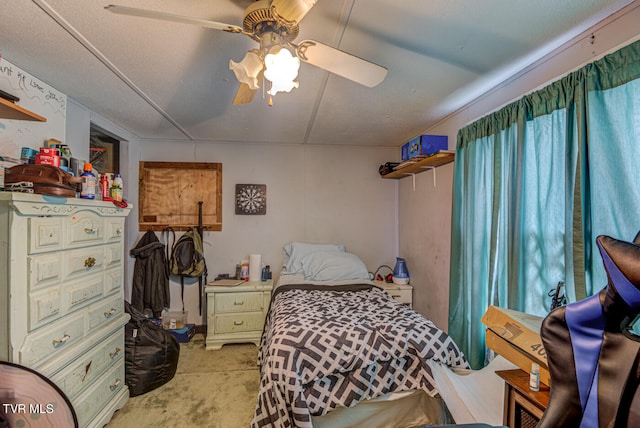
(523, 407)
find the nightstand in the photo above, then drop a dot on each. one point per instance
(402, 293)
(236, 314)
(522, 406)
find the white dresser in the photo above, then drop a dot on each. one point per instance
(61, 297)
(236, 314)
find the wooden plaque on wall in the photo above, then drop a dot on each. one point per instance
(169, 193)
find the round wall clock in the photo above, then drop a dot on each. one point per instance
(251, 199)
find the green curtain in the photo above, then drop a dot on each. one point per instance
(534, 184)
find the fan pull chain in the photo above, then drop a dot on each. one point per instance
(270, 101)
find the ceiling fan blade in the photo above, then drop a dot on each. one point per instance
(244, 95)
(293, 10)
(124, 10)
(341, 63)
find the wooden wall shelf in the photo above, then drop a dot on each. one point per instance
(433, 161)
(9, 110)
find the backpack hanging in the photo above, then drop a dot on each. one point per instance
(187, 259)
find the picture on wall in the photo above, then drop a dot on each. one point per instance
(251, 199)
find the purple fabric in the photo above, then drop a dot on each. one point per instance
(629, 293)
(586, 327)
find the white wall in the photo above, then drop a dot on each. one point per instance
(328, 194)
(425, 215)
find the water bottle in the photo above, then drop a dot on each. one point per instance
(104, 187)
(89, 185)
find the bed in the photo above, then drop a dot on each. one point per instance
(338, 351)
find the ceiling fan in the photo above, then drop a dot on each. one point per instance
(274, 25)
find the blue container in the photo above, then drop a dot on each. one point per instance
(400, 270)
(424, 145)
(28, 155)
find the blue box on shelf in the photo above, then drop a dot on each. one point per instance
(184, 334)
(424, 145)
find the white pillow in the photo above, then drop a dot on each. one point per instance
(296, 251)
(333, 266)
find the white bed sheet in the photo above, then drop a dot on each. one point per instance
(473, 396)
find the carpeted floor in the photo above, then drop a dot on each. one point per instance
(210, 389)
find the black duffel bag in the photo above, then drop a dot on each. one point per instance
(151, 353)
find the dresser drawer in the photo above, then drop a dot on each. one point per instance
(112, 280)
(83, 291)
(86, 369)
(78, 263)
(234, 323)
(102, 312)
(112, 255)
(238, 302)
(44, 307)
(84, 228)
(44, 270)
(52, 340)
(93, 399)
(45, 234)
(114, 229)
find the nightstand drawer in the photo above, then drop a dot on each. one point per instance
(234, 323)
(402, 296)
(238, 302)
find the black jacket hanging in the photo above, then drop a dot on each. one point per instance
(150, 288)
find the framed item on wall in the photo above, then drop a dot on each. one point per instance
(170, 192)
(251, 199)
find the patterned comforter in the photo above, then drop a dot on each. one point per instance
(330, 346)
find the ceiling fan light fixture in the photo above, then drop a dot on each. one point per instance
(281, 68)
(248, 69)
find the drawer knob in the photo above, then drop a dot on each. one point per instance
(90, 230)
(236, 303)
(114, 353)
(115, 384)
(89, 262)
(119, 231)
(59, 342)
(238, 322)
(110, 313)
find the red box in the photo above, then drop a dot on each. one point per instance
(47, 159)
(49, 151)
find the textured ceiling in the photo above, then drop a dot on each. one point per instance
(163, 80)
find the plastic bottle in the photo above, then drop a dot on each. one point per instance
(104, 187)
(118, 181)
(116, 189)
(244, 265)
(89, 186)
(534, 377)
